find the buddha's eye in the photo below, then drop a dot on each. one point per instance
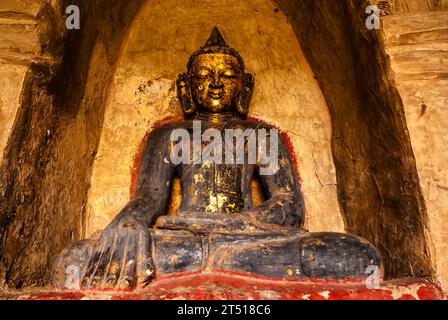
(230, 74)
(203, 73)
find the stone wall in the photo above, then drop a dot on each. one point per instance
(414, 6)
(24, 28)
(19, 46)
(417, 43)
(46, 168)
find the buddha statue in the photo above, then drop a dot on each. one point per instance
(217, 227)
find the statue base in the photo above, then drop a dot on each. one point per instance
(230, 286)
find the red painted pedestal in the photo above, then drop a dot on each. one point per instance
(220, 286)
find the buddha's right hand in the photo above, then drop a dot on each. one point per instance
(121, 258)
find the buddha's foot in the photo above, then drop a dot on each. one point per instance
(328, 255)
(70, 265)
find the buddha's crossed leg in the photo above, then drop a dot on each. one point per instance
(299, 255)
(325, 255)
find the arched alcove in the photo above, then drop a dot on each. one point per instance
(48, 168)
(143, 92)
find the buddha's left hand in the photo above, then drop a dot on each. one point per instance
(200, 222)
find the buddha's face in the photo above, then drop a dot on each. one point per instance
(217, 81)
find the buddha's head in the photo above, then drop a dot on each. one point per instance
(215, 81)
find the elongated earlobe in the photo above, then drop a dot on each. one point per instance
(242, 105)
(184, 94)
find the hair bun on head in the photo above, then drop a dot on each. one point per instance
(216, 44)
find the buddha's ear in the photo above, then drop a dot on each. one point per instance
(184, 94)
(246, 94)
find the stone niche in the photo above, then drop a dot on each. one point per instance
(160, 41)
(321, 77)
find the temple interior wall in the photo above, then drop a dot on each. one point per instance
(417, 43)
(72, 115)
(46, 168)
(17, 21)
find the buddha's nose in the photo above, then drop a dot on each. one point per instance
(216, 81)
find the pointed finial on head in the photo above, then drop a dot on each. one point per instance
(215, 44)
(216, 39)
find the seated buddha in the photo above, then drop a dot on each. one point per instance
(217, 227)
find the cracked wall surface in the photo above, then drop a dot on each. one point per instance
(27, 33)
(286, 95)
(46, 167)
(418, 46)
(19, 46)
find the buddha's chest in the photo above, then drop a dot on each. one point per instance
(217, 177)
(217, 167)
(217, 187)
(224, 144)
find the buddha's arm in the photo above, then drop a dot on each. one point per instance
(155, 180)
(121, 257)
(284, 205)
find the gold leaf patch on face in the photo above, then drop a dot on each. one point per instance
(217, 81)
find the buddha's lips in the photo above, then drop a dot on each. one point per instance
(216, 94)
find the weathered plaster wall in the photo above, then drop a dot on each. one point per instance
(19, 45)
(417, 43)
(11, 80)
(286, 94)
(414, 6)
(46, 168)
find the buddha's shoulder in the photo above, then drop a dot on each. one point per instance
(168, 127)
(253, 124)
